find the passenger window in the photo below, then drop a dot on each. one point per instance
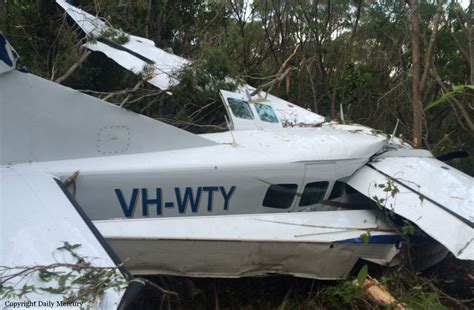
(313, 193)
(280, 196)
(337, 190)
(240, 108)
(350, 190)
(266, 113)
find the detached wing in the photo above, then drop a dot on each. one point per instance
(141, 56)
(436, 197)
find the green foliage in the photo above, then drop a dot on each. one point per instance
(115, 35)
(76, 282)
(342, 294)
(366, 236)
(456, 90)
(346, 292)
(362, 275)
(408, 229)
(200, 82)
(368, 72)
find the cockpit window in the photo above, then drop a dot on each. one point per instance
(240, 108)
(313, 193)
(280, 196)
(266, 113)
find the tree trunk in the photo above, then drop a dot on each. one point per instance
(416, 96)
(470, 35)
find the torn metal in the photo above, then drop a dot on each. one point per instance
(141, 56)
(302, 245)
(262, 198)
(432, 195)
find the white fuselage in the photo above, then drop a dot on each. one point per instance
(221, 179)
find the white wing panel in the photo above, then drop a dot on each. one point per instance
(434, 196)
(37, 218)
(43, 121)
(166, 65)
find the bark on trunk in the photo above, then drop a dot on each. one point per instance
(416, 96)
(470, 34)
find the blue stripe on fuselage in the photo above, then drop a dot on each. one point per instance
(384, 239)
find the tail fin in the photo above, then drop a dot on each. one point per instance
(8, 56)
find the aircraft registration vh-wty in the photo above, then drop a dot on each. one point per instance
(309, 200)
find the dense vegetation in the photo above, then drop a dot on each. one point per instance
(381, 60)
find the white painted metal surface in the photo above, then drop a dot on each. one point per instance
(34, 112)
(434, 196)
(128, 185)
(165, 66)
(301, 244)
(35, 219)
(395, 142)
(325, 227)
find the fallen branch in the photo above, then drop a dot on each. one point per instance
(377, 294)
(282, 73)
(156, 286)
(71, 179)
(73, 68)
(273, 82)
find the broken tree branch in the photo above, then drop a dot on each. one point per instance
(73, 68)
(378, 294)
(273, 82)
(282, 73)
(134, 89)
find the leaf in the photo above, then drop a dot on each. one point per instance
(365, 237)
(68, 247)
(45, 275)
(62, 281)
(457, 89)
(408, 229)
(362, 275)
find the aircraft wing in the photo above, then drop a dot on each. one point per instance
(42, 121)
(136, 55)
(436, 197)
(37, 216)
(140, 54)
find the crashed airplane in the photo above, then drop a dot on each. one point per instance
(262, 198)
